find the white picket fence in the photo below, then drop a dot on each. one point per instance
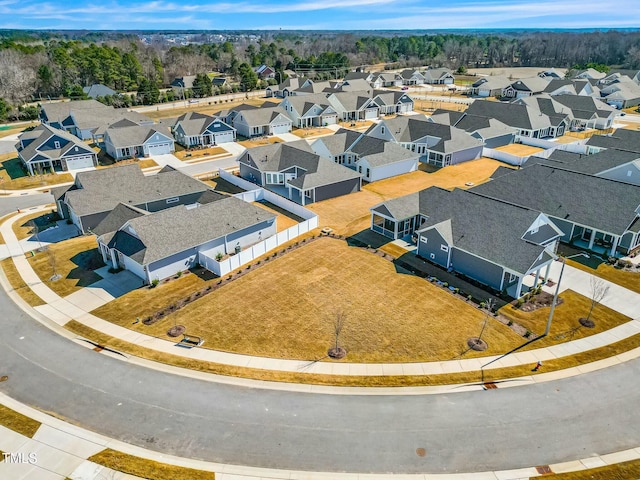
(248, 255)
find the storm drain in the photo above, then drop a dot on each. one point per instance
(489, 386)
(99, 348)
(544, 470)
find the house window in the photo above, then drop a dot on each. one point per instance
(444, 248)
(360, 169)
(629, 173)
(382, 130)
(56, 144)
(423, 239)
(534, 230)
(433, 256)
(512, 277)
(367, 172)
(173, 200)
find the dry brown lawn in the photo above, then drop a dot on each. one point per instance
(565, 326)
(520, 149)
(350, 214)
(630, 280)
(24, 227)
(203, 152)
(285, 219)
(19, 285)
(147, 163)
(619, 471)
(260, 141)
(75, 260)
(285, 309)
(16, 129)
(14, 178)
(311, 132)
(208, 109)
(17, 422)
(221, 185)
(144, 468)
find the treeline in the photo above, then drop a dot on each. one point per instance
(37, 65)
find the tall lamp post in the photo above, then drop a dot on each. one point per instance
(555, 295)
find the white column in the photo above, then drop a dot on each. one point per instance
(114, 260)
(519, 289)
(546, 273)
(614, 245)
(591, 240)
(535, 281)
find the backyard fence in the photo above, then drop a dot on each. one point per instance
(233, 262)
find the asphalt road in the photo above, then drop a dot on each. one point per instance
(461, 432)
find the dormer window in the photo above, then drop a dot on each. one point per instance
(56, 144)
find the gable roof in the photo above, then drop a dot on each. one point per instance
(130, 136)
(606, 205)
(339, 142)
(622, 139)
(98, 90)
(517, 115)
(381, 152)
(591, 164)
(69, 144)
(117, 217)
(263, 116)
(174, 230)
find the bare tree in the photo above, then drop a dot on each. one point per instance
(53, 263)
(598, 290)
(339, 320)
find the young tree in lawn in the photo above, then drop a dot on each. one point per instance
(598, 290)
(339, 320)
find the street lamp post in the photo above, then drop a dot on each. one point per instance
(555, 295)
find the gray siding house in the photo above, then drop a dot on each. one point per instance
(194, 128)
(137, 141)
(493, 242)
(158, 245)
(295, 172)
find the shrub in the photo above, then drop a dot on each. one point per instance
(179, 273)
(258, 262)
(445, 284)
(155, 282)
(510, 322)
(520, 302)
(219, 256)
(248, 266)
(482, 304)
(469, 297)
(527, 334)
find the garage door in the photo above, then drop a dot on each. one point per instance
(223, 137)
(159, 148)
(370, 114)
(283, 128)
(80, 162)
(330, 120)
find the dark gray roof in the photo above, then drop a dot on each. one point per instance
(263, 116)
(339, 142)
(595, 202)
(589, 164)
(102, 190)
(38, 148)
(174, 230)
(98, 90)
(130, 136)
(513, 114)
(381, 152)
(621, 139)
(118, 217)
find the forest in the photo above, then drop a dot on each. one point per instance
(35, 66)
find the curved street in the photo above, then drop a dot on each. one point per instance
(461, 432)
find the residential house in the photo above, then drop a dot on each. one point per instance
(622, 94)
(288, 87)
(437, 144)
(262, 121)
(392, 102)
(527, 119)
(526, 87)
(373, 158)
(386, 79)
(294, 171)
(590, 74)
(622, 138)
(46, 148)
(586, 112)
(489, 86)
(551, 73)
(366, 76)
(128, 141)
(94, 194)
(180, 84)
(352, 106)
(309, 110)
(265, 72)
(83, 118)
(438, 76)
(412, 77)
(493, 133)
(593, 213)
(155, 246)
(220, 82)
(452, 230)
(197, 129)
(98, 90)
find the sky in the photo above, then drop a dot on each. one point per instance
(316, 14)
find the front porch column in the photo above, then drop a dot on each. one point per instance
(114, 260)
(519, 289)
(395, 230)
(592, 239)
(535, 281)
(614, 245)
(547, 271)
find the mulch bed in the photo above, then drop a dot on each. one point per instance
(540, 300)
(176, 330)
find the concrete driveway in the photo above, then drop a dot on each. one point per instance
(112, 286)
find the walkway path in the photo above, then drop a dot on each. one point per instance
(76, 307)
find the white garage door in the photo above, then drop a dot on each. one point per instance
(330, 120)
(224, 137)
(283, 128)
(80, 162)
(370, 114)
(159, 148)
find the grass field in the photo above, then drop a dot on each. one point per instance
(18, 285)
(350, 214)
(206, 108)
(291, 302)
(75, 260)
(202, 152)
(18, 422)
(311, 132)
(143, 468)
(25, 228)
(259, 141)
(565, 326)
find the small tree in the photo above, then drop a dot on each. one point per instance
(53, 263)
(598, 290)
(339, 320)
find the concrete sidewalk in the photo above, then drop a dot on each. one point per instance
(77, 307)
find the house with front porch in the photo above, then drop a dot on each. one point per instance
(195, 129)
(352, 106)
(435, 143)
(294, 171)
(392, 102)
(131, 141)
(259, 122)
(438, 76)
(526, 87)
(490, 131)
(309, 110)
(489, 86)
(386, 79)
(593, 213)
(451, 230)
(622, 138)
(154, 246)
(412, 77)
(49, 149)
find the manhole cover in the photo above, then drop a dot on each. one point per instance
(4, 378)
(421, 452)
